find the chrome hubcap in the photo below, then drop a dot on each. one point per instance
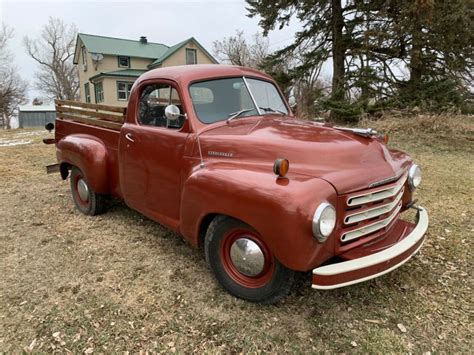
(83, 190)
(247, 257)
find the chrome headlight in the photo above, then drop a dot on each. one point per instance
(414, 177)
(324, 221)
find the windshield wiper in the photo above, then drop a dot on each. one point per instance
(238, 113)
(269, 109)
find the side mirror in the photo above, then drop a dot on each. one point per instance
(172, 113)
(292, 102)
(49, 126)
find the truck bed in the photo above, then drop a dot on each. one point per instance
(99, 121)
(105, 116)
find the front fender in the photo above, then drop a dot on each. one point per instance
(280, 209)
(89, 154)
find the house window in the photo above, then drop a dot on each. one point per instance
(99, 92)
(124, 62)
(87, 92)
(123, 90)
(84, 58)
(191, 56)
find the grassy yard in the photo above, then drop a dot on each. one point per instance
(122, 282)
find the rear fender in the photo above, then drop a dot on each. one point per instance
(89, 154)
(280, 209)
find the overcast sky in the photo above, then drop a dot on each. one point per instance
(167, 22)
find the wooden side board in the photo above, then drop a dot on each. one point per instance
(99, 107)
(111, 117)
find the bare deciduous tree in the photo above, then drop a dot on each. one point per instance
(12, 87)
(6, 34)
(237, 51)
(53, 50)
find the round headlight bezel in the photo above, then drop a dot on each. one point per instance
(414, 177)
(321, 232)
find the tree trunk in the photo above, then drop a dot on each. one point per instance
(338, 52)
(3, 120)
(416, 62)
(8, 121)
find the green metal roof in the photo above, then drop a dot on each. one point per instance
(129, 73)
(171, 50)
(125, 47)
(131, 48)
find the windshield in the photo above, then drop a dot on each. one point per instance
(217, 100)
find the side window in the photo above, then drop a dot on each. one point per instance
(153, 101)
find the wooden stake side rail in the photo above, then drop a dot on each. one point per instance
(93, 114)
(89, 113)
(91, 121)
(99, 107)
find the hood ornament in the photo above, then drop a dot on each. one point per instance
(364, 132)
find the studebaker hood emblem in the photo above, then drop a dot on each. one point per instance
(220, 154)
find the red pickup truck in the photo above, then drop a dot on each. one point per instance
(215, 153)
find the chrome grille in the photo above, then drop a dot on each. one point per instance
(377, 194)
(373, 210)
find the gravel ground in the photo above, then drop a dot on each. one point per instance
(120, 282)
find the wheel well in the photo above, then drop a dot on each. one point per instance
(206, 221)
(64, 169)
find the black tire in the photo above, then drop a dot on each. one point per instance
(272, 284)
(94, 204)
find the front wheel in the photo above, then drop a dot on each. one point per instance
(86, 200)
(243, 264)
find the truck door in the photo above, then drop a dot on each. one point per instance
(151, 155)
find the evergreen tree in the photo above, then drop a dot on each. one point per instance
(382, 51)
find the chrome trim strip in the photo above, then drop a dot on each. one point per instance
(377, 195)
(373, 212)
(251, 95)
(387, 180)
(370, 228)
(377, 258)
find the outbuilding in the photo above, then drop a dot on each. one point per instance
(35, 115)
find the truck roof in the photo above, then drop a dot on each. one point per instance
(184, 74)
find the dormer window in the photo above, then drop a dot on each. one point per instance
(124, 62)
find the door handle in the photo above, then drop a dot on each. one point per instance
(130, 137)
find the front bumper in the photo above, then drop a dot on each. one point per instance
(374, 265)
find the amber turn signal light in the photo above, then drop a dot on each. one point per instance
(281, 166)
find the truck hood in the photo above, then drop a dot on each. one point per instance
(347, 161)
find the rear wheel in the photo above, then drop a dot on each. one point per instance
(243, 264)
(86, 200)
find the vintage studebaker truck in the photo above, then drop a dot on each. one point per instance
(214, 153)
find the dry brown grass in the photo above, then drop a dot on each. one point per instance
(437, 125)
(122, 282)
